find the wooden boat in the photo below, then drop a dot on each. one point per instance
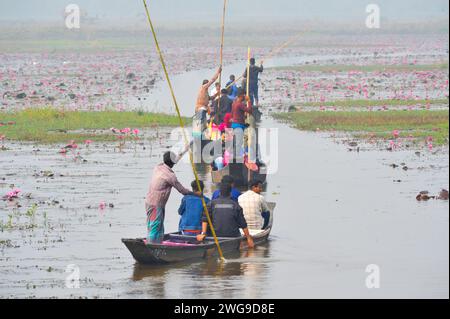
(178, 248)
(239, 172)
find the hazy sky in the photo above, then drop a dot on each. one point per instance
(209, 10)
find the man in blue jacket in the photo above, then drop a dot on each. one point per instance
(191, 211)
(232, 88)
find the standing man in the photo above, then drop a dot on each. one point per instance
(163, 180)
(202, 107)
(239, 109)
(238, 115)
(253, 86)
(256, 209)
(203, 97)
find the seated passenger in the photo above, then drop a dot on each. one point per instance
(235, 193)
(191, 212)
(256, 209)
(227, 218)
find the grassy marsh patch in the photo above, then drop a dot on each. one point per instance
(418, 124)
(49, 125)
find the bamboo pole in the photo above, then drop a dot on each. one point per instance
(250, 121)
(274, 51)
(248, 71)
(221, 51)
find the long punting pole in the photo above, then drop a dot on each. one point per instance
(249, 139)
(275, 51)
(221, 51)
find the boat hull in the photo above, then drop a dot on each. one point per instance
(149, 254)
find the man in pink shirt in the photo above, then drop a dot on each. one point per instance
(163, 180)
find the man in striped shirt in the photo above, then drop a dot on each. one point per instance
(163, 180)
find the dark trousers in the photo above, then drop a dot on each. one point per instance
(253, 93)
(266, 216)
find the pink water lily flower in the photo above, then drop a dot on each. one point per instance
(13, 194)
(396, 133)
(136, 131)
(392, 145)
(71, 145)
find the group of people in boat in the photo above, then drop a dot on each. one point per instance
(228, 107)
(229, 209)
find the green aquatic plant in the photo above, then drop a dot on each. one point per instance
(31, 212)
(10, 221)
(418, 125)
(50, 125)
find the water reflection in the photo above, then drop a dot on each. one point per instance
(243, 275)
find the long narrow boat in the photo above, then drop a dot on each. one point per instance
(239, 172)
(178, 248)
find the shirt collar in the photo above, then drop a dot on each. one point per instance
(164, 165)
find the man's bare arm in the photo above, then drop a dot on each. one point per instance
(214, 79)
(250, 242)
(204, 230)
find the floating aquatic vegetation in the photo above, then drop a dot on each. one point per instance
(13, 194)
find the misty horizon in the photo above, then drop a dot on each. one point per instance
(201, 12)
